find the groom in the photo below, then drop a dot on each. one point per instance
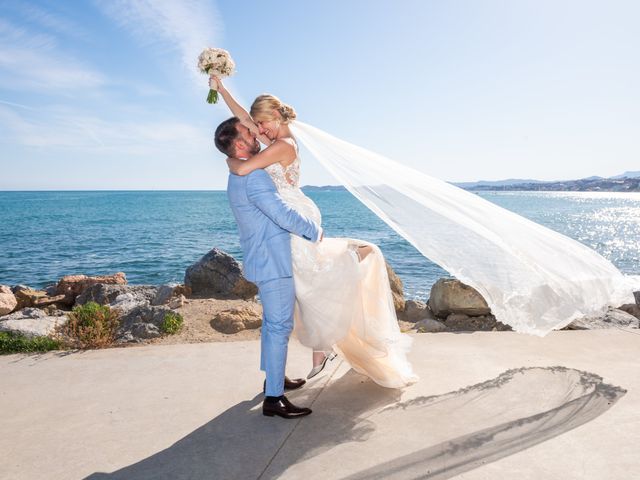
(264, 222)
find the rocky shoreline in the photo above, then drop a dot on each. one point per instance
(218, 304)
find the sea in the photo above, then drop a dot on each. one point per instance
(153, 236)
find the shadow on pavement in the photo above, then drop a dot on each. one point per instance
(530, 405)
(443, 436)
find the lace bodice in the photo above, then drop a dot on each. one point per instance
(285, 178)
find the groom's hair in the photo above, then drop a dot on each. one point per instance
(226, 135)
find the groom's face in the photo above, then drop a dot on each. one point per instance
(247, 141)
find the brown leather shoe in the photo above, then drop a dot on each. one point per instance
(288, 384)
(284, 408)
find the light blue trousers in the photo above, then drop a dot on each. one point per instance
(278, 298)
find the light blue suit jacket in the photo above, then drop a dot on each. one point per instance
(264, 221)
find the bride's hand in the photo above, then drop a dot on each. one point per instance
(215, 83)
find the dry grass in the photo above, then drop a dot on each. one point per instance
(91, 326)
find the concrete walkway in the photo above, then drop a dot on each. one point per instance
(192, 411)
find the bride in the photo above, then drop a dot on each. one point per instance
(343, 298)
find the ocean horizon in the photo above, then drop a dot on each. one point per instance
(154, 235)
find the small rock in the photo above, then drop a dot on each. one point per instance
(218, 274)
(8, 301)
(73, 285)
(177, 302)
(126, 302)
(16, 288)
(52, 311)
(164, 294)
(145, 330)
(46, 301)
(51, 290)
(636, 295)
(142, 321)
(611, 319)
(631, 309)
(28, 298)
(414, 311)
(459, 322)
(429, 325)
(182, 290)
(237, 319)
(32, 322)
(452, 296)
(397, 289)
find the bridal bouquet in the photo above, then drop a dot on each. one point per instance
(215, 61)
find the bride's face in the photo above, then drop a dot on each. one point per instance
(269, 128)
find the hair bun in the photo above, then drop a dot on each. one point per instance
(287, 112)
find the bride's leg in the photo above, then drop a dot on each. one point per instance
(320, 359)
(317, 358)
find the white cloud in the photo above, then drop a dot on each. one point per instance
(32, 61)
(187, 25)
(74, 130)
(49, 20)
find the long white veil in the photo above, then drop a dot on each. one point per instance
(533, 278)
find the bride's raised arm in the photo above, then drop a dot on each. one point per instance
(237, 110)
(282, 150)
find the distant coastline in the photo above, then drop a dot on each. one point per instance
(626, 182)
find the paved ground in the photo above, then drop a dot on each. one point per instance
(192, 411)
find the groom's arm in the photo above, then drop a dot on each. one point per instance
(263, 194)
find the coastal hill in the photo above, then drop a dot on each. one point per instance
(625, 182)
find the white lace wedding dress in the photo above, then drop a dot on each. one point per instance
(341, 302)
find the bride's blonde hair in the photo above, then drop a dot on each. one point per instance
(264, 106)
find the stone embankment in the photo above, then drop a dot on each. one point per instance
(218, 303)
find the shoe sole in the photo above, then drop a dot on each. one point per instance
(271, 414)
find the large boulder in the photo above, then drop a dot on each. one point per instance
(397, 289)
(73, 285)
(458, 322)
(237, 319)
(218, 274)
(452, 296)
(32, 322)
(612, 318)
(8, 301)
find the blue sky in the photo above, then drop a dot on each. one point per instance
(104, 94)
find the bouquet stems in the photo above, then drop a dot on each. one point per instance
(213, 96)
